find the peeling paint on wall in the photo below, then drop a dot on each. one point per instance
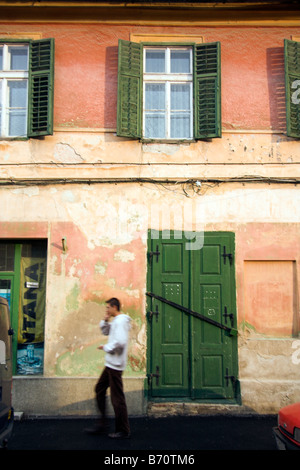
(64, 153)
(124, 256)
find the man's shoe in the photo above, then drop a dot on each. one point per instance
(97, 430)
(119, 435)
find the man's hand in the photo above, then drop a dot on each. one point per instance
(100, 347)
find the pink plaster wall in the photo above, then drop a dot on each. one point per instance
(267, 273)
(86, 60)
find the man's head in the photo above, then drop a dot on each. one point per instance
(113, 307)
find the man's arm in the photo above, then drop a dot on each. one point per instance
(104, 325)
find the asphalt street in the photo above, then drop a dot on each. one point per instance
(182, 434)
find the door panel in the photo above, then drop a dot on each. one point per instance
(169, 332)
(212, 347)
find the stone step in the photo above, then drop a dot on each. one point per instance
(166, 409)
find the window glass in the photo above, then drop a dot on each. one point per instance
(167, 93)
(180, 111)
(180, 97)
(17, 93)
(155, 61)
(155, 97)
(180, 61)
(155, 126)
(7, 256)
(18, 57)
(5, 290)
(180, 126)
(0, 107)
(17, 107)
(13, 90)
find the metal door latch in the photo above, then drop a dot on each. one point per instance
(156, 313)
(150, 376)
(229, 377)
(229, 315)
(154, 253)
(225, 255)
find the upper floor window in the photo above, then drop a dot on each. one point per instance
(13, 90)
(26, 88)
(169, 92)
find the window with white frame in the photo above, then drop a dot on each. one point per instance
(13, 89)
(168, 93)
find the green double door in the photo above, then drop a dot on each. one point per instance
(191, 308)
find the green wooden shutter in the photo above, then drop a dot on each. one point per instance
(129, 89)
(41, 84)
(292, 75)
(207, 90)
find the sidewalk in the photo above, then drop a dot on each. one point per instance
(178, 433)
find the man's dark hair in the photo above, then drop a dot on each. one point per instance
(113, 302)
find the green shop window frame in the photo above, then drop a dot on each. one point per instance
(40, 85)
(206, 89)
(13, 276)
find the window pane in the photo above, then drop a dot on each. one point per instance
(17, 93)
(17, 123)
(5, 290)
(1, 58)
(0, 107)
(17, 107)
(180, 97)
(155, 126)
(180, 62)
(155, 96)
(7, 256)
(18, 57)
(180, 126)
(155, 61)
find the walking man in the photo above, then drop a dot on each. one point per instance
(115, 363)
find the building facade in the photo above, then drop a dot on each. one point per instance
(151, 152)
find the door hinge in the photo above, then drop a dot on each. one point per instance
(229, 315)
(154, 253)
(229, 377)
(156, 313)
(156, 375)
(225, 255)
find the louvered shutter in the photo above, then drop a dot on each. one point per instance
(41, 84)
(129, 89)
(207, 90)
(292, 85)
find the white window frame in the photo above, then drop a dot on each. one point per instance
(7, 75)
(168, 79)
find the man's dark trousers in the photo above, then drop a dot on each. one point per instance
(113, 378)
